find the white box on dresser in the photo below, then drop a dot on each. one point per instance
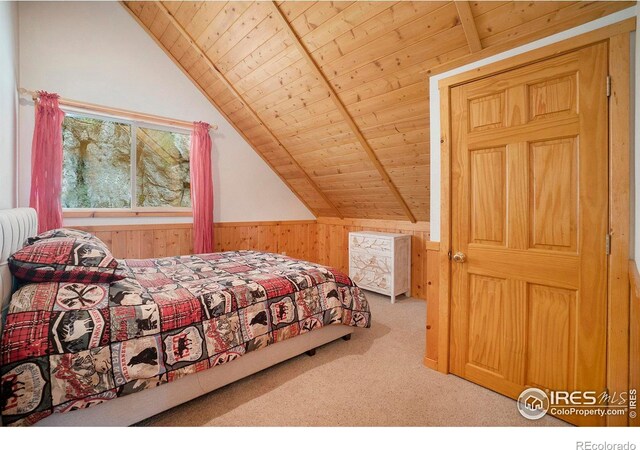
(381, 262)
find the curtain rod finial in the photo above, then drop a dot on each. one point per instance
(33, 95)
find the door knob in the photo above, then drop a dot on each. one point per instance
(459, 257)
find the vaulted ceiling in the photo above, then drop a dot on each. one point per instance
(334, 95)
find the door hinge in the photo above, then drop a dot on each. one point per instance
(608, 85)
(608, 243)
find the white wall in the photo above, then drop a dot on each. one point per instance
(96, 52)
(8, 101)
(434, 107)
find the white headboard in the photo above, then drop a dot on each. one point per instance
(16, 225)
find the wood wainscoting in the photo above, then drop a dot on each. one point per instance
(144, 240)
(433, 287)
(324, 241)
(294, 238)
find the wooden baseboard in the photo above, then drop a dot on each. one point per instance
(430, 363)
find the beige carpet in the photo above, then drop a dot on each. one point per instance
(376, 379)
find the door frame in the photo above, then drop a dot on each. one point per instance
(617, 37)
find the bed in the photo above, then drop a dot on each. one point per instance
(113, 354)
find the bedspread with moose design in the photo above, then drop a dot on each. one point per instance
(67, 346)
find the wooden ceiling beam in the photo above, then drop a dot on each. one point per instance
(469, 26)
(162, 9)
(343, 110)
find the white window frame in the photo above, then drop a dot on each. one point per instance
(133, 209)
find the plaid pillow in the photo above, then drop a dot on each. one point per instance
(62, 233)
(65, 259)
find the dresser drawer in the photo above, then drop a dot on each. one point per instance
(371, 244)
(381, 261)
(370, 279)
(371, 270)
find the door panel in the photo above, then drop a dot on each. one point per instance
(486, 296)
(486, 112)
(488, 204)
(529, 211)
(550, 337)
(553, 208)
(553, 97)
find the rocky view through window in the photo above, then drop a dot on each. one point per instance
(97, 165)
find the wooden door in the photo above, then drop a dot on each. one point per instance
(529, 212)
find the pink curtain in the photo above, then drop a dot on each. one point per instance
(201, 188)
(46, 162)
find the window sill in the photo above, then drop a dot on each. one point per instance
(85, 213)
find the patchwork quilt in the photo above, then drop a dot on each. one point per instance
(67, 346)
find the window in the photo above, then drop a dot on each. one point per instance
(111, 163)
(96, 170)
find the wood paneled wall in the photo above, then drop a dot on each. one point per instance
(294, 238)
(144, 241)
(324, 241)
(297, 239)
(634, 334)
(433, 275)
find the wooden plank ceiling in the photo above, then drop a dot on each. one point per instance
(334, 95)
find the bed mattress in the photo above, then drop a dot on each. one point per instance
(68, 346)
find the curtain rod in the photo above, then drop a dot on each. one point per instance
(126, 114)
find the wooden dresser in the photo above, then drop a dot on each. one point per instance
(381, 262)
